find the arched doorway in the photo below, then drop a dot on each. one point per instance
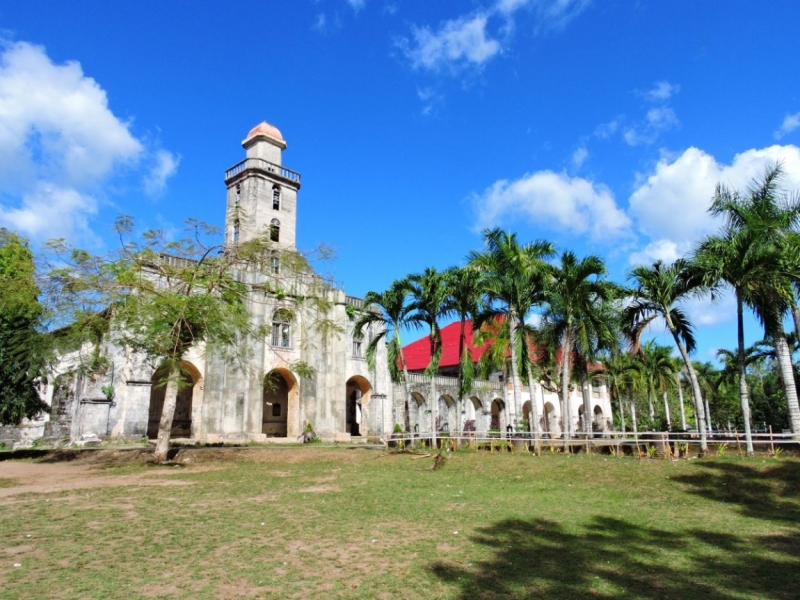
(182, 420)
(497, 421)
(417, 410)
(447, 419)
(549, 419)
(473, 408)
(526, 414)
(599, 421)
(357, 391)
(278, 386)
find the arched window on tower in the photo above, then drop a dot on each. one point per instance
(236, 231)
(282, 328)
(274, 264)
(275, 230)
(276, 197)
(238, 193)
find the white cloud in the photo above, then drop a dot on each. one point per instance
(671, 204)
(321, 24)
(165, 166)
(704, 311)
(790, 123)
(579, 157)
(662, 91)
(466, 41)
(663, 250)
(552, 199)
(458, 43)
(357, 5)
(49, 211)
(55, 120)
(59, 141)
(657, 120)
(555, 14)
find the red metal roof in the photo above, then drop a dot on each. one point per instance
(418, 353)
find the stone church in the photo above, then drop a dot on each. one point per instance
(273, 398)
(342, 398)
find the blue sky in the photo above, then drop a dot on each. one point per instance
(602, 126)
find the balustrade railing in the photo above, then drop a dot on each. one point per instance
(264, 165)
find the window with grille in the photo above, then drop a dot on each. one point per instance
(276, 198)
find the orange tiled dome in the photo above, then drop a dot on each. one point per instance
(267, 130)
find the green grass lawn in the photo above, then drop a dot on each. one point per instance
(341, 523)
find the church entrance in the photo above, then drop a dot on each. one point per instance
(275, 414)
(182, 421)
(357, 391)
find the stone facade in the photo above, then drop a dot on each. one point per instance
(268, 399)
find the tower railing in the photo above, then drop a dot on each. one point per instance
(262, 165)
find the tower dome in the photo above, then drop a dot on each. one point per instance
(265, 130)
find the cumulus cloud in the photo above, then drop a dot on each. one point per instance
(790, 123)
(663, 250)
(50, 211)
(556, 200)
(357, 5)
(58, 141)
(672, 203)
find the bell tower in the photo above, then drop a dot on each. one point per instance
(262, 194)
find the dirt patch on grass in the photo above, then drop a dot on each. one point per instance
(319, 489)
(42, 478)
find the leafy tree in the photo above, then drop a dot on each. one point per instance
(659, 288)
(167, 296)
(23, 347)
(509, 270)
(391, 317)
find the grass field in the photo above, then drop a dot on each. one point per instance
(353, 523)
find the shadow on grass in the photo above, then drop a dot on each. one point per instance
(771, 493)
(612, 558)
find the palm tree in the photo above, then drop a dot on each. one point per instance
(429, 303)
(389, 319)
(575, 315)
(657, 371)
(617, 374)
(765, 222)
(465, 297)
(507, 267)
(678, 369)
(659, 288)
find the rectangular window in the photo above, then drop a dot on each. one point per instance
(280, 335)
(276, 198)
(275, 265)
(357, 348)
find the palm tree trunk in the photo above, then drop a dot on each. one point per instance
(787, 376)
(666, 411)
(515, 380)
(744, 393)
(534, 417)
(621, 415)
(650, 403)
(406, 423)
(167, 414)
(566, 410)
(434, 410)
(587, 406)
(701, 421)
(680, 400)
(709, 426)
